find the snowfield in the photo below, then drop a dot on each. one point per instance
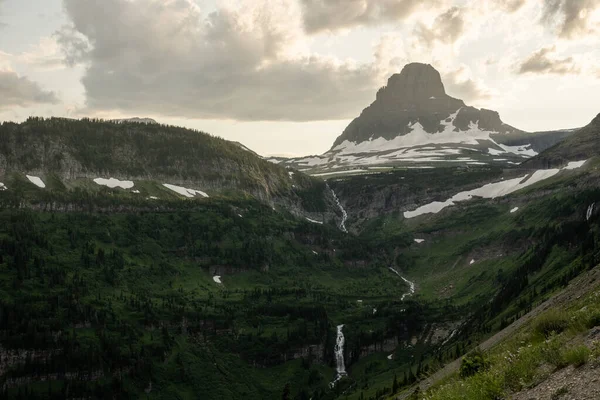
(189, 193)
(114, 183)
(575, 164)
(36, 181)
(491, 190)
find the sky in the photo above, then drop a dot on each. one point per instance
(285, 77)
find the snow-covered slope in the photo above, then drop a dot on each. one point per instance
(414, 123)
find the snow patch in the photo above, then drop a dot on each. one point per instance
(313, 221)
(472, 262)
(418, 136)
(36, 181)
(390, 356)
(184, 191)
(514, 210)
(153, 198)
(575, 164)
(3, 186)
(374, 311)
(419, 240)
(135, 191)
(489, 191)
(217, 279)
(113, 183)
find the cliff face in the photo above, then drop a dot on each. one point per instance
(72, 149)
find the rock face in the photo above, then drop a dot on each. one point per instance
(417, 94)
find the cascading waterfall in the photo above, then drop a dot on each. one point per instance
(590, 211)
(340, 365)
(411, 285)
(344, 213)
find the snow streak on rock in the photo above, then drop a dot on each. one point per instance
(313, 221)
(340, 365)
(589, 212)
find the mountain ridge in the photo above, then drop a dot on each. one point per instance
(413, 122)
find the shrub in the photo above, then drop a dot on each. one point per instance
(552, 352)
(472, 363)
(551, 322)
(577, 356)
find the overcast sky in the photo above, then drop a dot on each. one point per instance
(287, 76)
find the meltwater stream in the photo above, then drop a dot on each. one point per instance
(340, 365)
(344, 213)
(411, 285)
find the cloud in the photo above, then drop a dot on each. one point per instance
(332, 15)
(510, 6)
(248, 62)
(21, 92)
(44, 55)
(570, 19)
(447, 28)
(544, 61)
(2, 24)
(460, 84)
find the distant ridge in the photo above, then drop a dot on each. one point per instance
(135, 120)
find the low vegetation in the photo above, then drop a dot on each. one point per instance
(550, 342)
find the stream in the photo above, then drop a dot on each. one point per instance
(344, 213)
(340, 365)
(411, 285)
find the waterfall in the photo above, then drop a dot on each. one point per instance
(344, 213)
(411, 285)
(590, 211)
(340, 366)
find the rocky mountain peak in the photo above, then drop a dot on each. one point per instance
(416, 82)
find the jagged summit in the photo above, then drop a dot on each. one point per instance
(417, 95)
